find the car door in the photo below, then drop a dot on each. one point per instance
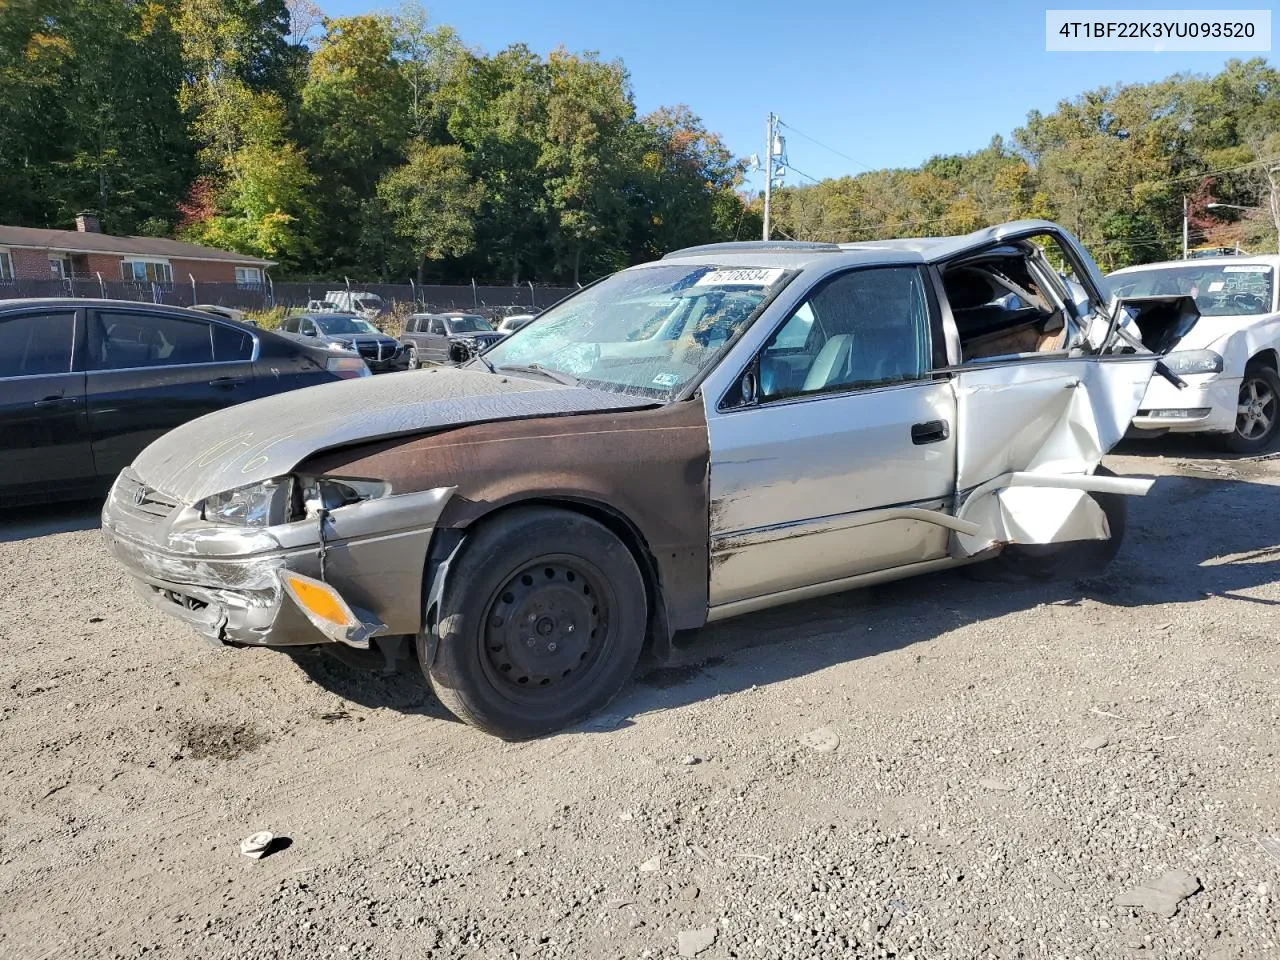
(150, 371)
(409, 335)
(44, 441)
(435, 345)
(1033, 425)
(843, 461)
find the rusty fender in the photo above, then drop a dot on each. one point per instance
(643, 472)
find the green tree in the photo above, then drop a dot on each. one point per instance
(589, 109)
(433, 201)
(354, 113)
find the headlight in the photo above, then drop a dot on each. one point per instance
(339, 345)
(286, 499)
(257, 505)
(347, 367)
(333, 492)
(1194, 361)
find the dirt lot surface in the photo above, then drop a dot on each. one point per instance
(936, 768)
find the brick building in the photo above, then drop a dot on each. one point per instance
(86, 253)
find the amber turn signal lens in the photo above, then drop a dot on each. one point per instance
(320, 599)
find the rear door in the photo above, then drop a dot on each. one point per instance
(434, 346)
(1037, 404)
(150, 371)
(44, 442)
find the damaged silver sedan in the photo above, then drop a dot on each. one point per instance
(733, 427)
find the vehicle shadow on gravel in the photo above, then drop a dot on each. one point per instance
(1172, 555)
(1190, 537)
(27, 523)
(1190, 446)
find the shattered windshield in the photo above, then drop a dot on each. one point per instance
(648, 330)
(1220, 290)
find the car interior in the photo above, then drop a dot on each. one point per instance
(145, 342)
(870, 327)
(1000, 309)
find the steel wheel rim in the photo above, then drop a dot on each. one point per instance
(1256, 409)
(547, 629)
(413, 357)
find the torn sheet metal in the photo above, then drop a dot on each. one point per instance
(1031, 434)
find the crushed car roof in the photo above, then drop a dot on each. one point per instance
(799, 254)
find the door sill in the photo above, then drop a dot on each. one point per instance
(733, 608)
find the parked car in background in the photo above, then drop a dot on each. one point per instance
(779, 421)
(1229, 361)
(446, 337)
(347, 332)
(367, 305)
(516, 321)
(85, 385)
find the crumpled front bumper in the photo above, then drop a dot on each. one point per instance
(224, 581)
(1207, 404)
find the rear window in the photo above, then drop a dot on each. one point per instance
(36, 344)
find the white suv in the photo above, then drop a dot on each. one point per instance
(1229, 360)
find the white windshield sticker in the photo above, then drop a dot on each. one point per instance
(1216, 286)
(1246, 268)
(749, 277)
(666, 380)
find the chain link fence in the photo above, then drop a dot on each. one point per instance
(491, 301)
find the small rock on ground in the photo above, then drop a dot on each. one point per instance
(693, 942)
(1162, 895)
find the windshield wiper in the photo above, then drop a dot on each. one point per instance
(559, 376)
(485, 360)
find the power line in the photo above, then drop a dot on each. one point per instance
(1211, 173)
(824, 146)
(799, 171)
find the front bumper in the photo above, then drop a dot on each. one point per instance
(224, 581)
(1206, 405)
(399, 362)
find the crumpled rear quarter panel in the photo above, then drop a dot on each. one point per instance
(649, 465)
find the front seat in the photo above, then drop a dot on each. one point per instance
(831, 366)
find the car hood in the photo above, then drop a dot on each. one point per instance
(266, 438)
(1208, 331)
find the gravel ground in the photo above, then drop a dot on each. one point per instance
(937, 768)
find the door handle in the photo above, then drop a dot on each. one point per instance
(931, 431)
(55, 401)
(226, 381)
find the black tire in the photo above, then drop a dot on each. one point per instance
(1260, 388)
(1077, 557)
(414, 362)
(541, 624)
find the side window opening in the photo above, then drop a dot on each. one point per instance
(863, 329)
(36, 344)
(120, 341)
(1001, 307)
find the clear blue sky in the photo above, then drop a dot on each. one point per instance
(888, 83)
